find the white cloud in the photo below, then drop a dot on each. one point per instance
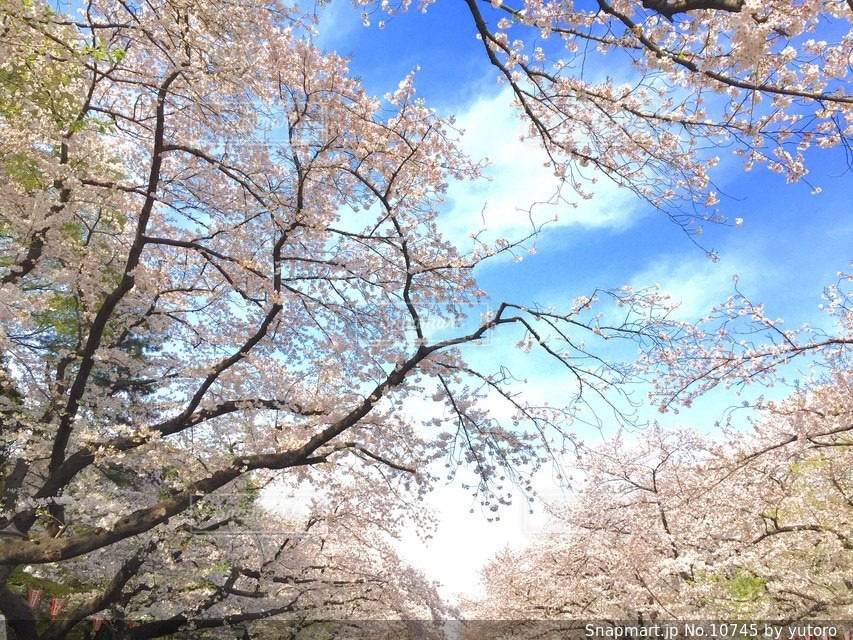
(520, 180)
(465, 540)
(697, 283)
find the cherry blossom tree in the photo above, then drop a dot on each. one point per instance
(220, 265)
(265, 574)
(227, 563)
(676, 525)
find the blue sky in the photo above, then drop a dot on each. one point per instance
(791, 245)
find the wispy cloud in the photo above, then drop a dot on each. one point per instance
(520, 185)
(697, 283)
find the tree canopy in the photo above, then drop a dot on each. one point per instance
(674, 525)
(221, 267)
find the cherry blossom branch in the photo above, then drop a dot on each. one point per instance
(723, 79)
(700, 357)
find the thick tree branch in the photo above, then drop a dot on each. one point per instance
(669, 8)
(61, 627)
(102, 318)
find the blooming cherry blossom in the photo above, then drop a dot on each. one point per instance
(671, 524)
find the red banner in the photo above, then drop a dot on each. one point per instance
(56, 606)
